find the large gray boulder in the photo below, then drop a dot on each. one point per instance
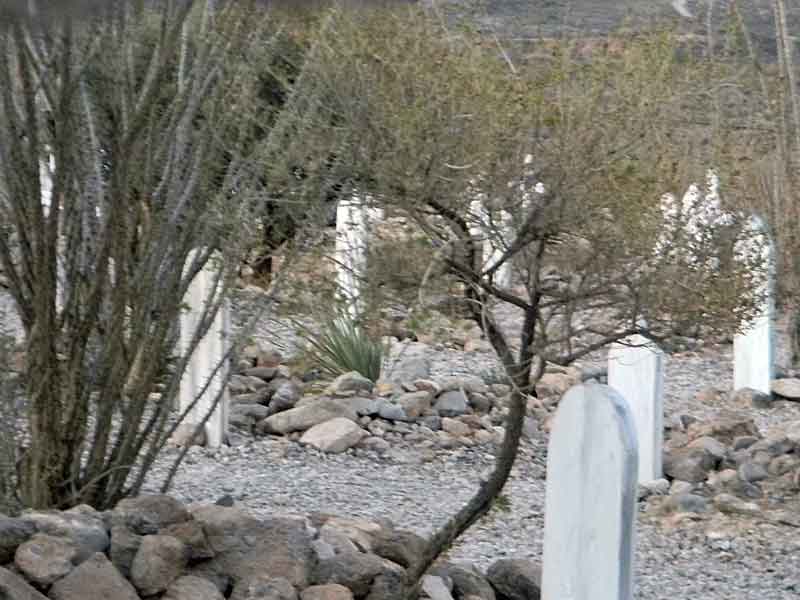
(306, 416)
(87, 532)
(516, 579)
(354, 570)
(159, 561)
(44, 558)
(334, 436)
(95, 578)
(245, 546)
(14, 587)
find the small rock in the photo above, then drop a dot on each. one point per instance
(190, 587)
(716, 449)
(263, 373)
(455, 427)
(414, 404)
(452, 404)
(689, 464)
(748, 397)
(330, 591)
(391, 412)
(88, 532)
(743, 442)
(516, 579)
(685, 503)
(351, 382)
(680, 487)
(730, 504)
(435, 588)
(658, 487)
(752, 472)
(775, 445)
(334, 436)
(786, 388)
(263, 587)
(724, 426)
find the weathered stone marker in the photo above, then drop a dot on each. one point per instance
(209, 355)
(753, 350)
(591, 498)
(636, 371)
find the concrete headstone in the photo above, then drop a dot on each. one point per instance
(753, 350)
(353, 218)
(636, 370)
(591, 498)
(209, 358)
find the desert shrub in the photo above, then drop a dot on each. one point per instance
(342, 345)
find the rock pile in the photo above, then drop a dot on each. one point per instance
(728, 464)
(154, 547)
(354, 412)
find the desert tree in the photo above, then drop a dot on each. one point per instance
(429, 118)
(128, 163)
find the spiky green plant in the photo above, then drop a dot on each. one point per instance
(343, 345)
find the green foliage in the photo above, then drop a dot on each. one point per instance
(343, 345)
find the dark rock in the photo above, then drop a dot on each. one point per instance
(147, 514)
(124, 545)
(13, 532)
(743, 442)
(467, 581)
(226, 500)
(265, 373)
(689, 464)
(516, 579)
(399, 546)
(749, 397)
(285, 396)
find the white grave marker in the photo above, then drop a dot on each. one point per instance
(753, 350)
(353, 220)
(636, 370)
(210, 352)
(591, 498)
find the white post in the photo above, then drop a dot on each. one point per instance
(353, 219)
(636, 371)
(591, 498)
(753, 350)
(209, 354)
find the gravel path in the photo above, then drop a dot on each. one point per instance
(739, 559)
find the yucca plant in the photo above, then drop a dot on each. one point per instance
(343, 345)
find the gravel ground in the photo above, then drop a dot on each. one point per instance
(699, 558)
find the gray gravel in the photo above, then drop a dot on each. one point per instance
(746, 559)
